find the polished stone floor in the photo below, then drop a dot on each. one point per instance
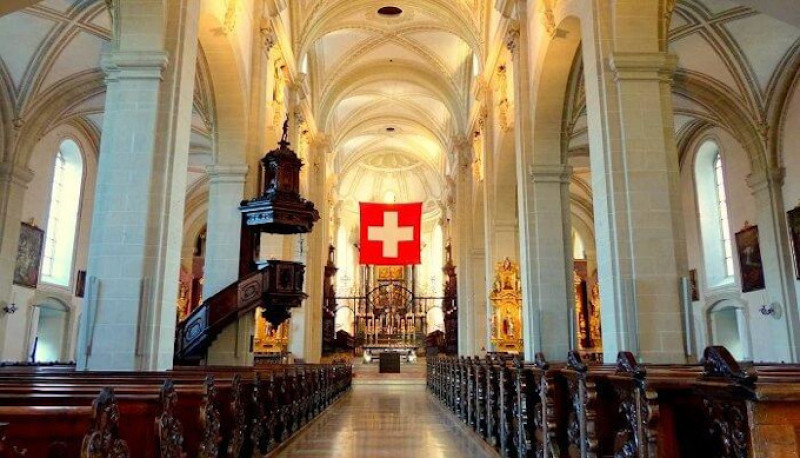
(386, 421)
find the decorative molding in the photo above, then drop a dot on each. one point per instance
(512, 36)
(269, 39)
(16, 174)
(223, 173)
(643, 66)
(231, 16)
(131, 65)
(763, 179)
(550, 173)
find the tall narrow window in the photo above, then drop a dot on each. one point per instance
(62, 219)
(712, 200)
(722, 205)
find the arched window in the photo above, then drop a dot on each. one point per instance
(62, 220)
(722, 207)
(713, 208)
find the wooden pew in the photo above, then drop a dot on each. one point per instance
(190, 413)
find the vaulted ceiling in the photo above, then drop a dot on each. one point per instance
(52, 46)
(391, 89)
(735, 63)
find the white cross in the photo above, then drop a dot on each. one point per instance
(391, 234)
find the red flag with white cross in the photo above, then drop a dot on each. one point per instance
(390, 234)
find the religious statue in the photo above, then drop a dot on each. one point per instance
(506, 297)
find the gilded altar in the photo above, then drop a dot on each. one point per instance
(269, 339)
(506, 297)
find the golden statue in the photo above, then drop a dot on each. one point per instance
(506, 297)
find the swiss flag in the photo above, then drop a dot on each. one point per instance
(390, 234)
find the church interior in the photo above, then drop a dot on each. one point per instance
(606, 244)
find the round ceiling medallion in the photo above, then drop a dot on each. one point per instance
(390, 11)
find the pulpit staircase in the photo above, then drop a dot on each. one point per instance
(276, 287)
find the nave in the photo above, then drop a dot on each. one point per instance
(387, 421)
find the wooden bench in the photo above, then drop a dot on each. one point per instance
(195, 411)
(713, 409)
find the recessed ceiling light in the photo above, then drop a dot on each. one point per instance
(390, 11)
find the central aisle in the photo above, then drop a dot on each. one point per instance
(387, 420)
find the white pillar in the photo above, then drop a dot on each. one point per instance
(224, 226)
(641, 250)
(305, 338)
(548, 325)
(545, 242)
(462, 148)
(13, 183)
(134, 254)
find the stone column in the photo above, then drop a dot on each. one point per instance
(306, 333)
(549, 323)
(134, 254)
(225, 193)
(13, 183)
(641, 247)
(545, 240)
(462, 229)
(224, 226)
(776, 257)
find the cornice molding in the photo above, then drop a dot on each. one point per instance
(642, 66)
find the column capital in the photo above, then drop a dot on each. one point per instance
(222, 173)
(146, 65)
(550, 173)
(268, 36)
(506, 7)
(16, 174)
(763, 179)
(512, 36)
(462, 150)
(643, 66)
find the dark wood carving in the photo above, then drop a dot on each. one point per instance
(6, 450)
(450, 303)
(102, 440)
(638, 408)
(210, 420)
(261, 436)
(169, 432)
(718, 362)
(239, 418)
(580, 424)
(729, 427)
(280, 209)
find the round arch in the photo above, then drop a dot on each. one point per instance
(227, 77)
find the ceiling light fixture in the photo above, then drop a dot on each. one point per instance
(390, 11)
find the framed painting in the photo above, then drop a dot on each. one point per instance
(694, 286)
(29, 256)
(793, 217)
(752, 269)
(80, 284)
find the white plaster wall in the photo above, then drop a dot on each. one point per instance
(22, 325)
(790, 158)
(741, 207)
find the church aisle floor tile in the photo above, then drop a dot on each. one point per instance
(386, 421)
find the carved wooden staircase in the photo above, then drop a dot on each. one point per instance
(275, 288)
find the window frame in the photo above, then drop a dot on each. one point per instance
(48, 279)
